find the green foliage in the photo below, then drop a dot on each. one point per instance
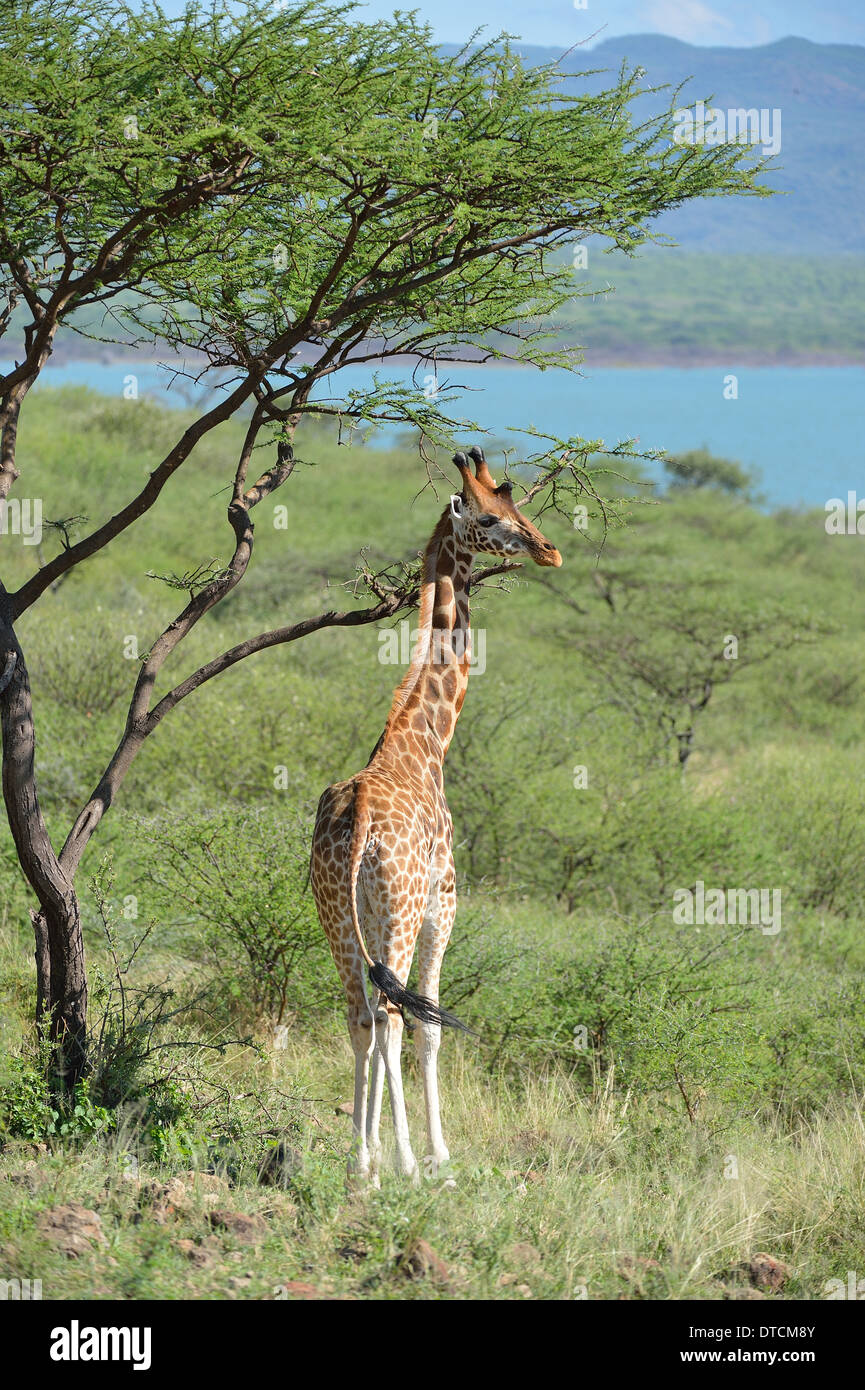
(147, 1062)
(82, 670)
(817, 814)
(665, 1007)
(29, 1111)
(713, 1021)
(237, 886)
(242, 181)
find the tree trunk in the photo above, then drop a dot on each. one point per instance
(43, 966)
(61, 976)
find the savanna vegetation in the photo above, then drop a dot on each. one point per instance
(647, 1104)
(688, 306)
(271, 196)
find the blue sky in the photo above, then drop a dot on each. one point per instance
(724, 22)
(557, 22)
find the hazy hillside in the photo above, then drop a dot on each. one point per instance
(678, 306)
(820, 90)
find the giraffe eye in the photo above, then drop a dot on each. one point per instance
(487, 521)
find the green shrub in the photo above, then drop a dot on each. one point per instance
(233, 886)
(29, 1111)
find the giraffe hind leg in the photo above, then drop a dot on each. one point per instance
(360, 1027)
(389, 1032)
(373, 1114)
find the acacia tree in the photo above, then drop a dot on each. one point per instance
(275, 194)
(667, 642)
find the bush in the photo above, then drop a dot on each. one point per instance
(698, 468)
(29, 1111)
(235, 887)
(83, 670)
(817, 811)
(708, 1019)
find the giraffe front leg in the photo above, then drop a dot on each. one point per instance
(434, 937)
(437, 1158)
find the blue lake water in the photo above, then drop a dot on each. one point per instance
(800, 428)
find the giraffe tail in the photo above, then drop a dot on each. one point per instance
(417, 1004)
(384, 979)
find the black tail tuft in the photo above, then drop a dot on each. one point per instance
(417, 1004)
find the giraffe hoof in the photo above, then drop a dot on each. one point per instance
(360, 1179)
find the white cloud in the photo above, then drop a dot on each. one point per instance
(692, 21)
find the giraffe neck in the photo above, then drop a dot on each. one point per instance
(427, 702)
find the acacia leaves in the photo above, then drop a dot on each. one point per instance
(254, 183)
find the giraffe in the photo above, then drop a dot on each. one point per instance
(382, 868)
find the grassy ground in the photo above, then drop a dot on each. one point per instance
(559, 1196)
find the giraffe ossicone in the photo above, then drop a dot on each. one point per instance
(382, 866)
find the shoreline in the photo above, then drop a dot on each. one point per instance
(634, 359)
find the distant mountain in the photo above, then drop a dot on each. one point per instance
(820, 91)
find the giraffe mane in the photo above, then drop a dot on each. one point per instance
(425, 615)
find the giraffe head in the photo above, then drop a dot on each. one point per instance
(486, 521)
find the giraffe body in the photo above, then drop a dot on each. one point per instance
(382, 866)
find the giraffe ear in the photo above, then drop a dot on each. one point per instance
(504, 489)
